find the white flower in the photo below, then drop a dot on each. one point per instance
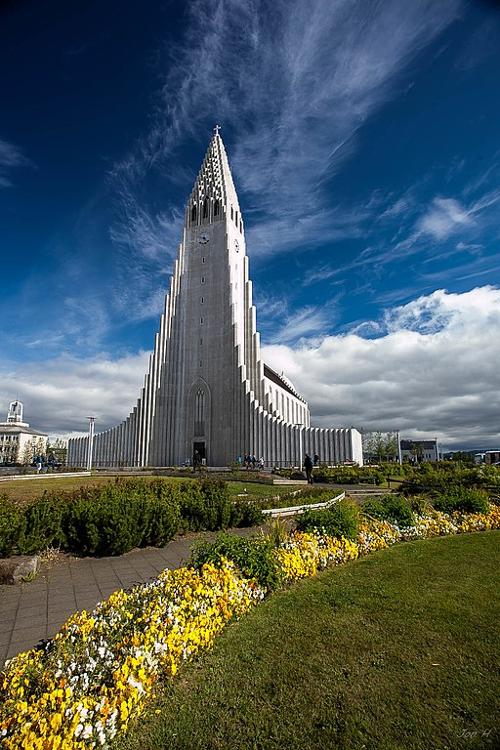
(87, 732)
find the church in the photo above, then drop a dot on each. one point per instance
(208, 393)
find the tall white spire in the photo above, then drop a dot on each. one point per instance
(213, 193)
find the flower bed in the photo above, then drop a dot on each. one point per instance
(304, 553)
(81, 689)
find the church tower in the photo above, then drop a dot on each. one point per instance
(207, 392)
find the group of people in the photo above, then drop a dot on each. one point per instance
(41, 461)
(249, 461)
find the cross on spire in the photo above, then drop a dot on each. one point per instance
(216, 130)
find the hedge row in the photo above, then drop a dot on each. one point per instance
(115, 518)
(425, 476)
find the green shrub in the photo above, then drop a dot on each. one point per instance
(393, 508)
(419, 504)
(118, 518)
(349, 475)
(121, 515)
(254, 557)
(245, 513)
(12, 527)
(206, 505)
(341, 519)
(464, 499)
(43, 524)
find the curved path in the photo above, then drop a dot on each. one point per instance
(31, 612)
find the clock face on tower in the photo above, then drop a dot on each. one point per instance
(203, 239)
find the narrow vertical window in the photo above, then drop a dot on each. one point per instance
(202, 279)
(199, 412)
(216, 208)
(205, 208)
(202, 300)
(193, 213)
(232, 213)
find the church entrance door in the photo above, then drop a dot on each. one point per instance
(199, 452)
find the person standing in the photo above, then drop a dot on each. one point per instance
(308, 466)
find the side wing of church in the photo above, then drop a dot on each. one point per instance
(207, 388)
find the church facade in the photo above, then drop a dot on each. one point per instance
(208, 389)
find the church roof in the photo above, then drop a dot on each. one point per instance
(407, 445)
(280, 380)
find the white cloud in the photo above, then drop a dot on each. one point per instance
(434, 371)
(60, 393)
(11, 157)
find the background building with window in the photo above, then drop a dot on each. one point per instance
(19, 443)
(417, 451)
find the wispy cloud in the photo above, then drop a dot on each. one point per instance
(420, 228)
(294, 87)
(11, 157)
(444, 217)
(304, 323)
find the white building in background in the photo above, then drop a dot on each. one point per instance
(19, 443)
(416, 451)
(208, 389)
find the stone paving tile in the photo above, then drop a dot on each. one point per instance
(31, 612)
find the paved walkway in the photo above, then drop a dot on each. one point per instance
(31, 612)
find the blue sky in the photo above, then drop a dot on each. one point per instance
(364, 142)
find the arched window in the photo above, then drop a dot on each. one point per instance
(205, 208)
(199, 413)
(193, 212)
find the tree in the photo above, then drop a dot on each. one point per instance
(417, 452)
(28, 453)
(381, 446)
(463, 457)
(392, 446)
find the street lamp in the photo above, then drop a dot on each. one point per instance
(91, 442)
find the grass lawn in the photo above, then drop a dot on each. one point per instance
(27, 490)
(395, 651)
